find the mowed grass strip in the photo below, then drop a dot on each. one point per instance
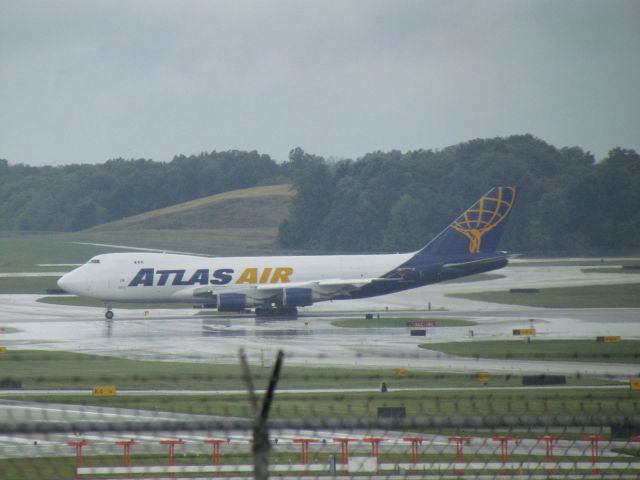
(635, 270)
(479, 277)
(64, 370)
(350, 405)
(625, 351)
(74, 301)
(31, 285)
(625, 295)
(400, 322)
(24, 252)
(574, 262)
(247, 241)
(480, 402)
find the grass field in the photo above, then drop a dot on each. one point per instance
(265, 206)
(64, 370)
(479, 277)
(351, 405)
(27, 284)
(68, 370)
(592, 296)
(23, 252)
(612, 270)
(206, 241)
(392, 322)
(575, 262)
(241, 222)
(626, 351)
(72, 300)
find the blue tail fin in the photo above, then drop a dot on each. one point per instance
(479, 228)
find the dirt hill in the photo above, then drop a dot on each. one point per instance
(258, 207)
(241, 222)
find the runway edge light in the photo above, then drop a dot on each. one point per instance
(3, 349)
(608, 339)
(634, 384)
(524, 332)
(400, 372)
(104, 391)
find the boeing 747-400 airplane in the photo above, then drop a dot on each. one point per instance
(283, 283)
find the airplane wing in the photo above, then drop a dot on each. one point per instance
(326, 288)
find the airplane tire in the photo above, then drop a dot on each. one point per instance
(108, 315)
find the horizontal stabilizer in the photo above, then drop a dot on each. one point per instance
(483, 262)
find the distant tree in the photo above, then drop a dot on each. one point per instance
(73, 197)
(397, 201)
(313, 181)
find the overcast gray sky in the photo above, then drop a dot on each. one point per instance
(86, 81)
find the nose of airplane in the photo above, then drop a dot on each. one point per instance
(71, 283)
(63, 282)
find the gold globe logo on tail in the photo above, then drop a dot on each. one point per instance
(484, 216)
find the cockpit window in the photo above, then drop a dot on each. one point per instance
(95, 260)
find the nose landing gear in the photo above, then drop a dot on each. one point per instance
(108, 314)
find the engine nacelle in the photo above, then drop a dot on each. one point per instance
(231, 302)
(297, 297)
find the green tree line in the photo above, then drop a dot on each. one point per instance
(392, 201)
(384, 201)
(75, 197)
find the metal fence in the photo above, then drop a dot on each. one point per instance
(360, 423)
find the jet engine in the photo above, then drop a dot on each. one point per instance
(231, 302)
(297, 297)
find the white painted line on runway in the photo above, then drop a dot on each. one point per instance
(10, 439)
(123, 393)
(136, 415)
(100, 438)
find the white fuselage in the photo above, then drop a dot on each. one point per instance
(160, 277)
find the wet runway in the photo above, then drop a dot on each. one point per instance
(311, 339)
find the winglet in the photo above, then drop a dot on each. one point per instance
(479, 228)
